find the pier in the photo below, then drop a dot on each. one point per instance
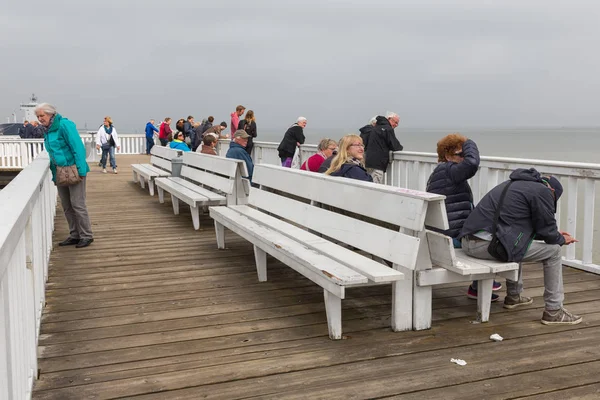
(152, 310)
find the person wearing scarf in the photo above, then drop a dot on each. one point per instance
(326, 148)
(350, 160)
(107, 139)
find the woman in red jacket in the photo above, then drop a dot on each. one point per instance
(164, 131)
(326, 148)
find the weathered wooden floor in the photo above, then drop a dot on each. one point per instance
(151, 310)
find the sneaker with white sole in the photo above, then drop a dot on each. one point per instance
(115, 170)
(104, 170)
(560, 317)
(511, 302)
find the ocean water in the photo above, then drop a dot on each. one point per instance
(559, 144)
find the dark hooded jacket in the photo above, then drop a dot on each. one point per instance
(379, 141)
(353, 171)
(287, 147)
(326, 164)
(527, 213)
(450, 179)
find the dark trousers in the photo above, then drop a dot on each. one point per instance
(149, 144)
(164, 142)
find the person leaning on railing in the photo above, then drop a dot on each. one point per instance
(65, 148)
(458, 161)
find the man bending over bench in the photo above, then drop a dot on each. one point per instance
(526, 212)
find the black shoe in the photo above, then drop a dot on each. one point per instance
(84, 243)
(69, 242)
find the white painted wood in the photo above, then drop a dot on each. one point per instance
(373, 270)
(319, 268)
(588, 220)
(161, 195)
(175, 202)
(220, 232)
(195, 217)
(261, 263)
(436, 215)
(422, 296)
(443, 254)
(162, 163)
(214, 181)
(385, 243)
(475, 264)
(135, 178)
(398, 206)
(484, 295)
(571, 215)
(142, 181)
(151, 187)
(402, 305)
(220, 165)
(333, 308)
(188, 192)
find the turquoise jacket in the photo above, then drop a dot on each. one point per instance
(179, 145)
(65, 147)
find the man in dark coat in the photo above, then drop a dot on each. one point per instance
(188, 129)
(379, 140)
(527, 213)
(293, 138)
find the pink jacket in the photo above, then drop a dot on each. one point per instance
(235, 120)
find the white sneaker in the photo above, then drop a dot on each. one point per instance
(104, 171)
(115, 170)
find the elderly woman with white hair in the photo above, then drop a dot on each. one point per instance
(69, 170)
(293, 138)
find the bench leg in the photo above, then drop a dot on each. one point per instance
(135, 177)
(261, 263)
(484, 299)
(175, 202)
(333, 308)
(142, 183)
(161, 194)
(220, 231)
(151, 187)
(402, 304)
(195, 217)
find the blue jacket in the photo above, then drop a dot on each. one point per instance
(179, 145)
(353, 171)
(239, 153)
(527, 213)
(65, 147)
(150, 129)
(450, 179)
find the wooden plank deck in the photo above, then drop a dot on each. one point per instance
(151, 310)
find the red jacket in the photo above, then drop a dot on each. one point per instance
(164, 130)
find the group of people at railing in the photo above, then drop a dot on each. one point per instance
(513, 222)
(31, 130)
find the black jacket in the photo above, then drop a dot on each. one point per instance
(188, 130)
(326, 164)
(379, 141)
(38, 132)
(353, 171)
(526, 214)
(205, 126)
(450, 179)
(250, 130)
(287, 147)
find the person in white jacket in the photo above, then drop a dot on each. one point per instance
(107, 139)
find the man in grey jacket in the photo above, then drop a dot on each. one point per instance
(527, 213)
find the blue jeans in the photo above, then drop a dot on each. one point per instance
(149, 144)
(108, 152)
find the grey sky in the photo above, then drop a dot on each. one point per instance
(436, 63)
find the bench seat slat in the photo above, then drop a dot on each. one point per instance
(375, 271)
(189, 196)
(494, 265)
(315, 266)
(211, 196)
(148, 170)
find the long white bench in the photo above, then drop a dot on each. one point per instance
(205, 180)
(160, 166)
(451, 265)
(293, 217)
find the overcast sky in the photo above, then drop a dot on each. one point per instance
(436, 63)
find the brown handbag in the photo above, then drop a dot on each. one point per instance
(67, 176)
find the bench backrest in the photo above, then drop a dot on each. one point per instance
(161, 157)
(219, 174)
(373, 217)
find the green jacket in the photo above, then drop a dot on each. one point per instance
(65, 147)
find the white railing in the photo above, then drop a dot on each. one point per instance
(411, 170)
(27, 206)
(15, 153)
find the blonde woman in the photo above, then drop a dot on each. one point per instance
(350, 160)
(107, 139)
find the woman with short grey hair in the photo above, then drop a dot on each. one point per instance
(66, 151)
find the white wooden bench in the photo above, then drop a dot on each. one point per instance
(291, 217)
(454, 265)
(160, 166)
(205, 180)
